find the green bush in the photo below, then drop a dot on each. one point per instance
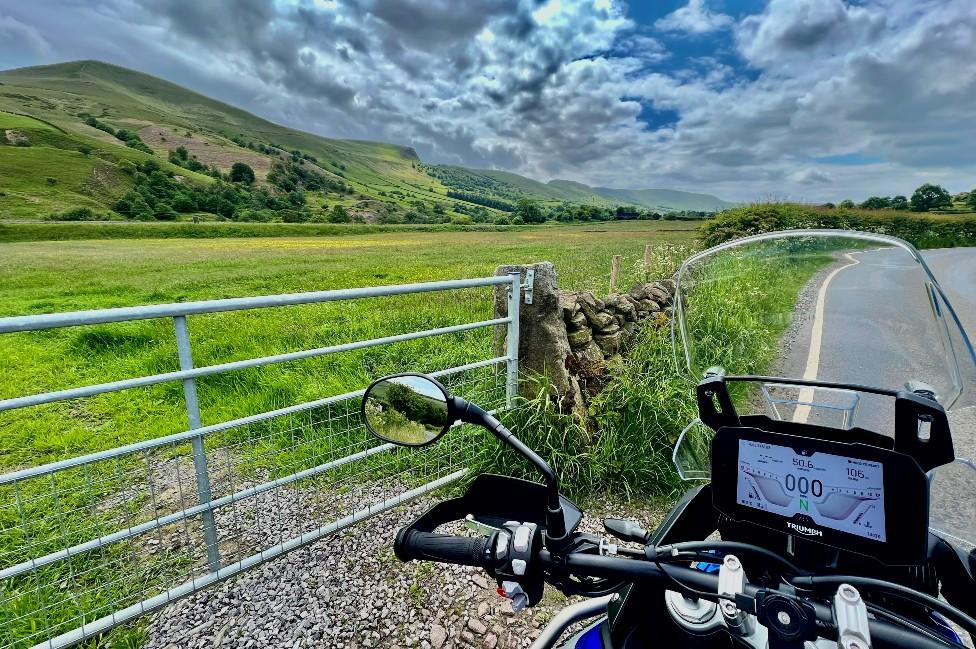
(255, 216)
(294, 216)
(164, 212)
(924, 231)
(339, 214)
(79, 214)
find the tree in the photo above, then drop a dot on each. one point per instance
(164, 212)
(876, 203)
(971, 201)
(339, 214)
(241, 173)
(847, 203)
(929, 196)
(899, 203)
(529, 211)
(184, 203)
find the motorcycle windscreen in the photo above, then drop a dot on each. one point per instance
(833, 306)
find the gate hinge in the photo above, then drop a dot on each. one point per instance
(529, 283)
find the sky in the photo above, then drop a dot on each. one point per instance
(808, 100)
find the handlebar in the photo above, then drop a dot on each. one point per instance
(883, 634)
(477, 552)
(443, 548)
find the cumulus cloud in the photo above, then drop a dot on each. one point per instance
(569, 88)
(694, 17)
(805, 30)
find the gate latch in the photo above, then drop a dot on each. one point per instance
(529, 283)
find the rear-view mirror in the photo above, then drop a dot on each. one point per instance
(407, 409)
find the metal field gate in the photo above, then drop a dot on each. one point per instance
(92, 541)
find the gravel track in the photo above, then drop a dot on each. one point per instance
(348, 590)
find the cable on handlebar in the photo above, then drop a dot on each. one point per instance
(732, 546)
(684, 587)
(904, 592)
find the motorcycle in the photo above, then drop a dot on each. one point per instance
(836, 504)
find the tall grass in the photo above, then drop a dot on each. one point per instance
(737, 313)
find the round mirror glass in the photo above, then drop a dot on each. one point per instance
(409, 410)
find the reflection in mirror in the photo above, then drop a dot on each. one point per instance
(409, 410)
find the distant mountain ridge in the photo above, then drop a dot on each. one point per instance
(53, 173)
(510, 186)
(665, 199)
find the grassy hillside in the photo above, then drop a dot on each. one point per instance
(81, 105)
(167, 116)
(45, 169)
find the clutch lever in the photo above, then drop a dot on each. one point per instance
(478, 527)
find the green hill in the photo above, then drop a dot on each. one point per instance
(512, 187)
(66, 129)
(664, 199)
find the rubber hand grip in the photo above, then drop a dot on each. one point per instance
(442, 548)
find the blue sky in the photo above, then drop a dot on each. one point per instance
(745, 99)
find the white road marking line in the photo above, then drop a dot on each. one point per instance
(802, 412)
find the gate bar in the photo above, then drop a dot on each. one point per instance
(115, 386)
(60, 465)
(200, 467)
(102, 316)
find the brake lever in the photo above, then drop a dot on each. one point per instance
(478, 527)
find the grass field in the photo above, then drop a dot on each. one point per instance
(49, 276)
(45, 277)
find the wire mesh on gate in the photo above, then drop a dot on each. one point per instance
(302, 474)
(97, 542)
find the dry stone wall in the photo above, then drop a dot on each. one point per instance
(599, 331)
(574, 339)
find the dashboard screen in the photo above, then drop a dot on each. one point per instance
(812, 489)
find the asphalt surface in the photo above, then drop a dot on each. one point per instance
(875, 326)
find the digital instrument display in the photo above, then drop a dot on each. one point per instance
(812, 489)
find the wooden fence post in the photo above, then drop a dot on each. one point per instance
(614, 273)
(647, 261)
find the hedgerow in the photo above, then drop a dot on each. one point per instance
(924, 231)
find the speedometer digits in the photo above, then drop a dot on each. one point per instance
(812, 490)
(803, 485)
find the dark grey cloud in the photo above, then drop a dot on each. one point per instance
(555, 88)
(20, 43)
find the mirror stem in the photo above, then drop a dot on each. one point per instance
(555, 520)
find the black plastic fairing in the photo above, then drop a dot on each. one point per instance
(494, 500)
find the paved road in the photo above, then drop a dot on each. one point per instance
(867, 319)
(955, 268)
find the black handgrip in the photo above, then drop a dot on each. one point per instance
(443, 548)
